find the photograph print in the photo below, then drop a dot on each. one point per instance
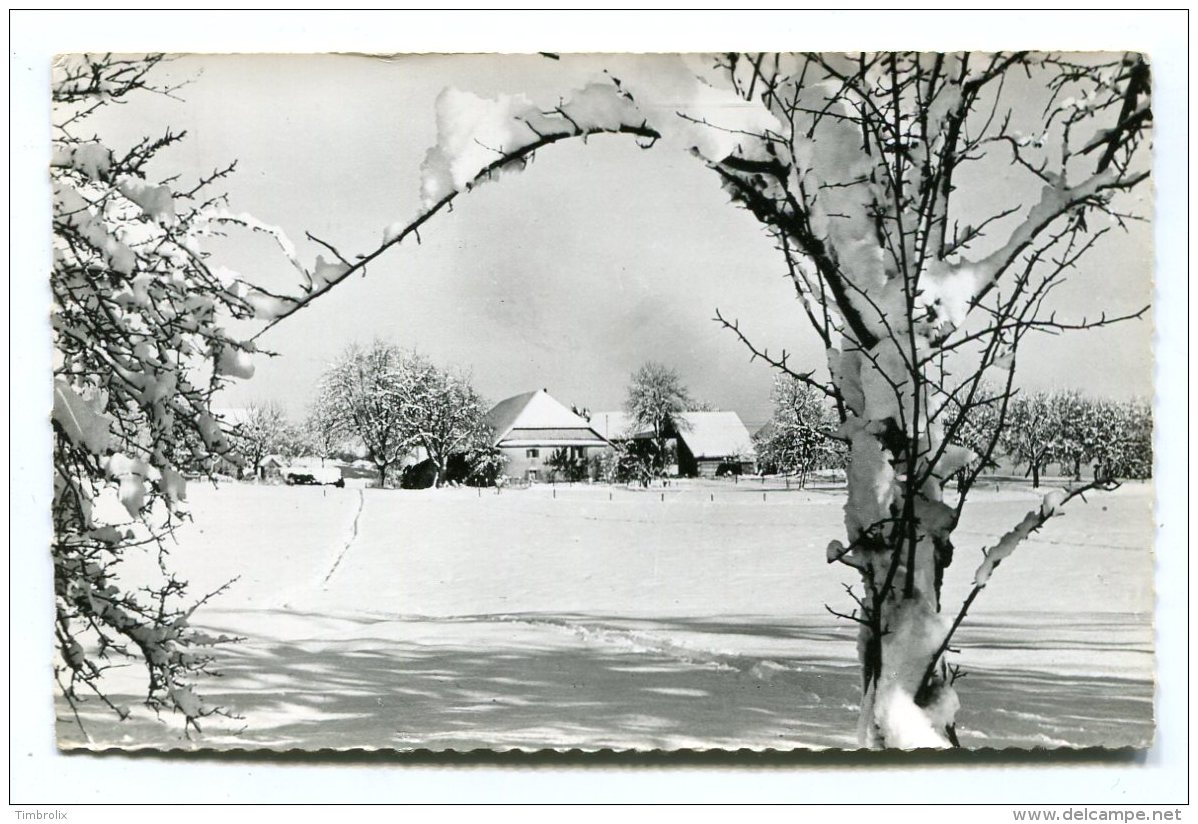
(452, 402)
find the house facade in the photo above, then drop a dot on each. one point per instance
(530, 428)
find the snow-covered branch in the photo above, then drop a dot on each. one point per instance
(1049, 507)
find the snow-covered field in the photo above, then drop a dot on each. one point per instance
(685, 617)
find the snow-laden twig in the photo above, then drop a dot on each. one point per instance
(295, 303)
(1031, 522)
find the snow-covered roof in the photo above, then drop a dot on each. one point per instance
(272, 460)
(714, 434)
(537, 418)
(617, 426)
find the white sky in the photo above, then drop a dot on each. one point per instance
(567, 276)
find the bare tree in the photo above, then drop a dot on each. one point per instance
(853, 165)
(1075, 417)
(976, 429)
(801, 434)
(1032, 433)
(261, 431)
(1121, 439)
(441, 412)
(324, 432)
(139, 318)
(656, 399)
(364, 390)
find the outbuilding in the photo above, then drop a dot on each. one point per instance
(712, 443)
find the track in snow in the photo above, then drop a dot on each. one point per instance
(353, 536)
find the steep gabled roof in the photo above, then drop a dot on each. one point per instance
(503, 415)
(533, 414)
(714, 434)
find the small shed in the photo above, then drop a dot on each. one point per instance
(270, 468)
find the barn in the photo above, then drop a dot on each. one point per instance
(529, 428)
(707, 443)
(712, 443)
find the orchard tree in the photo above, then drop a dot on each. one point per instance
(293, 441)
(364, 390)
(860, 168)
(656, 398)
(139, 319)
(1075, 416)
(801, 434)
(262, 430)
(441, 412)
(976, 430)
(1032, 433)
(323, 431)
(1122, 440)
(394, 401)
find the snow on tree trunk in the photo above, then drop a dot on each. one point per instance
(900, 542)
(849, 164)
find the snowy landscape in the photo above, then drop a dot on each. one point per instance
(430, 426)
(446, 619)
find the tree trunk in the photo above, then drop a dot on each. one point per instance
(382, 468)
(1035, 474)
(907, 699)
(901, 548)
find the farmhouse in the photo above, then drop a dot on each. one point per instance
(530, 428)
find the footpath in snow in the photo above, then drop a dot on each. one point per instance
(540, 618)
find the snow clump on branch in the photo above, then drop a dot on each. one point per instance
(477, 135)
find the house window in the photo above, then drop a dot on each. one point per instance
(532, 453)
